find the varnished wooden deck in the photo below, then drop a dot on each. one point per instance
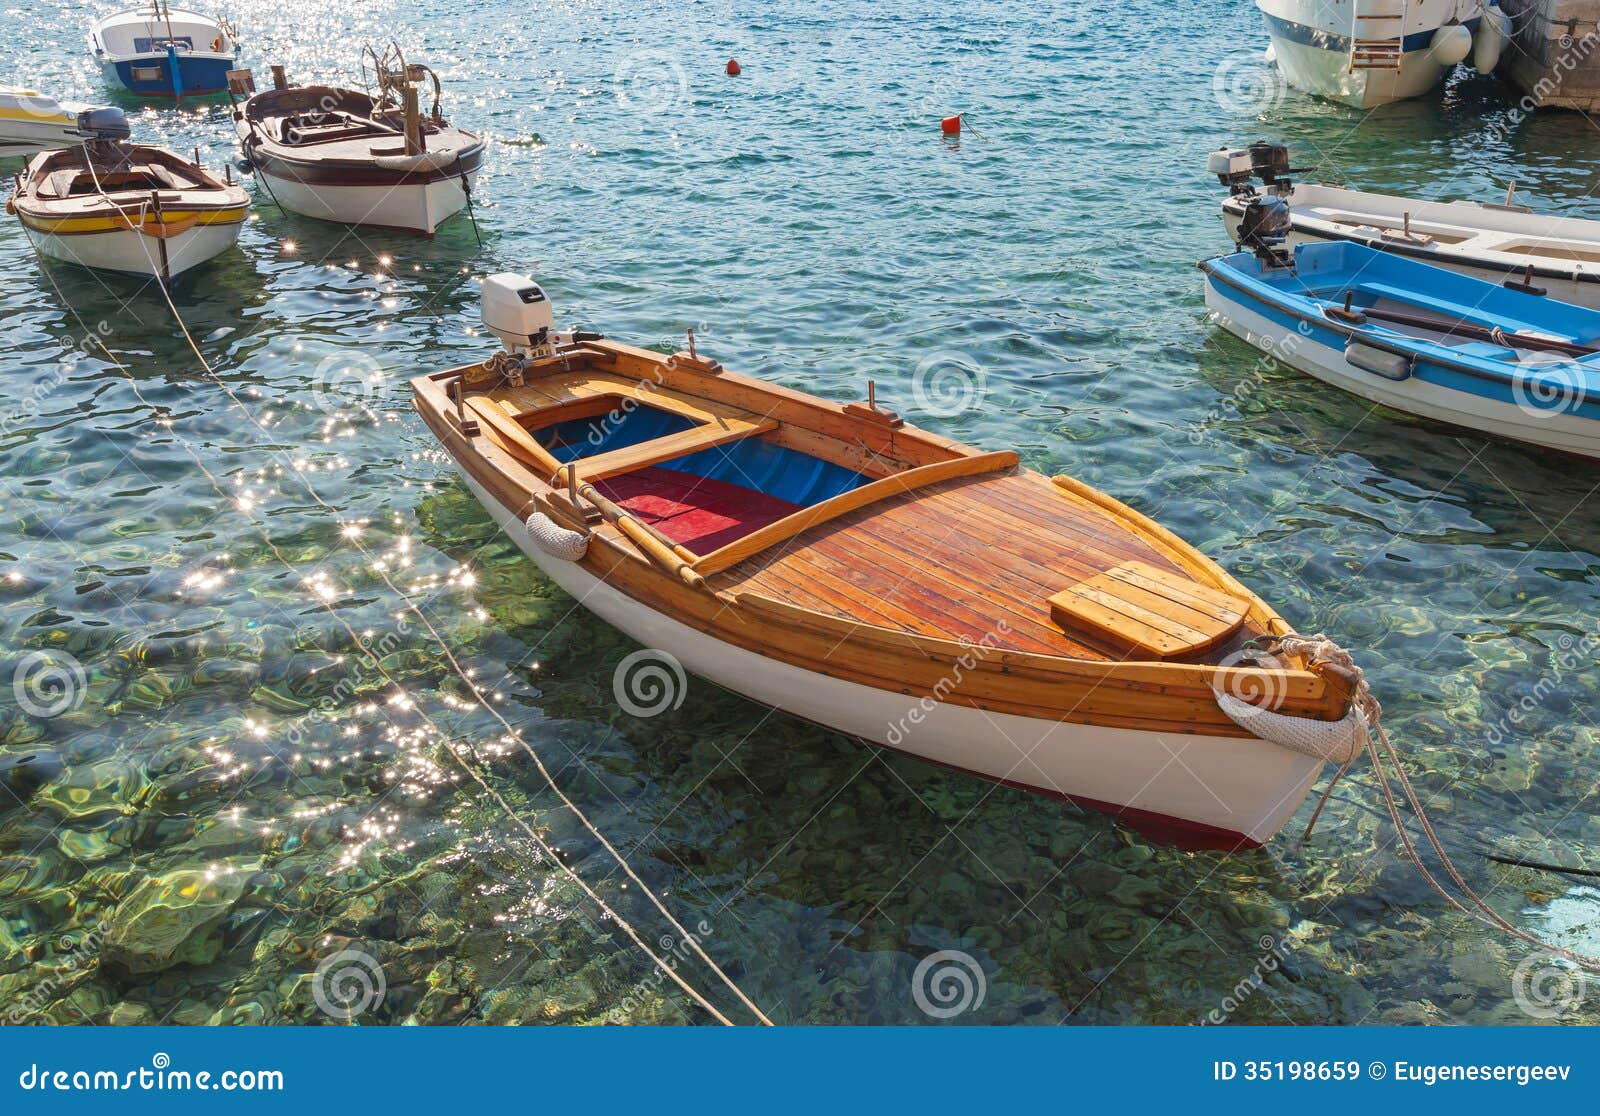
(952, 560)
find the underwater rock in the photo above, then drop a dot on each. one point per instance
(132, 1015)
(172, 919)
(23, 774)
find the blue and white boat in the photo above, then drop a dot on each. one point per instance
(161, 51)
(1367, 53)
(1420, 339)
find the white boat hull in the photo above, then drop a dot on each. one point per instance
(1415, 396)
(31, 122)
(1493, 243)
(1327, 73)
(134, 253)
(418, 209)
(1312, 42)
(1239, 785)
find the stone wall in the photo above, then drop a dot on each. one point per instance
(1554, 55)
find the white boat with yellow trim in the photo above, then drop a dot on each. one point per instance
(127, 207)
(31, 122)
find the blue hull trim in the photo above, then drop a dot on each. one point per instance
(199, 76)
(1281, 28)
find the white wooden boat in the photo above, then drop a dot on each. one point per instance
(161, 51)
(31, 122)
(126, 207)
(342, 155)
(1489, 241)
(839, 564)
(1367, 53)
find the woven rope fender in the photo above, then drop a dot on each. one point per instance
(554, 539)
(1340, 741)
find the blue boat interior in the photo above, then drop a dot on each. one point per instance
(756, 464)
(1336, 272)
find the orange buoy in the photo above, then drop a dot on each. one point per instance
(733, 67)
(951, 125)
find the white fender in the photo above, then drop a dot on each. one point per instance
(1450, 44)
(1494, 32)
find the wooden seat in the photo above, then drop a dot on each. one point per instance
(667, 448)
(539, 396)
(1149, 611)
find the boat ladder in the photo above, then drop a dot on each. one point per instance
(1378, 35)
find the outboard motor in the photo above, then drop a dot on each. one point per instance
(1270, 162)
(105, 124)
(1264, 229)
(516, 310)
(1236, 166)
(1233, 167)
(103, 129)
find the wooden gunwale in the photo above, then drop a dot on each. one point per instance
(1172, 696)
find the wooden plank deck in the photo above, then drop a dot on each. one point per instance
(954, 558)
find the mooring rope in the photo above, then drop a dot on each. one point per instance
(685, 936)
(1319, 650)
(605, 908)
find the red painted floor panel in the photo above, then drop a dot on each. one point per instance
(692, 511)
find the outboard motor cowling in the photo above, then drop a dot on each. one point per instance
(516, 310)
(1269, 161)
(107, 125)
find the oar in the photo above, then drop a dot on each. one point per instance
(650, 542)
(1472, 330)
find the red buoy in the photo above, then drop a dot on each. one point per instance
(733, 67)
(951, 125)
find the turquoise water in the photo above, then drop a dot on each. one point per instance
(242, 796)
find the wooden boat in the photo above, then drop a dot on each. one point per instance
(161, 51)
(1486, 240)
(31, 122)
(1420, 339)
(342, 155)
(880, 580)
(126, 207)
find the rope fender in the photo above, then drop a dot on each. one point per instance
(1338, 741)
(554, 539)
